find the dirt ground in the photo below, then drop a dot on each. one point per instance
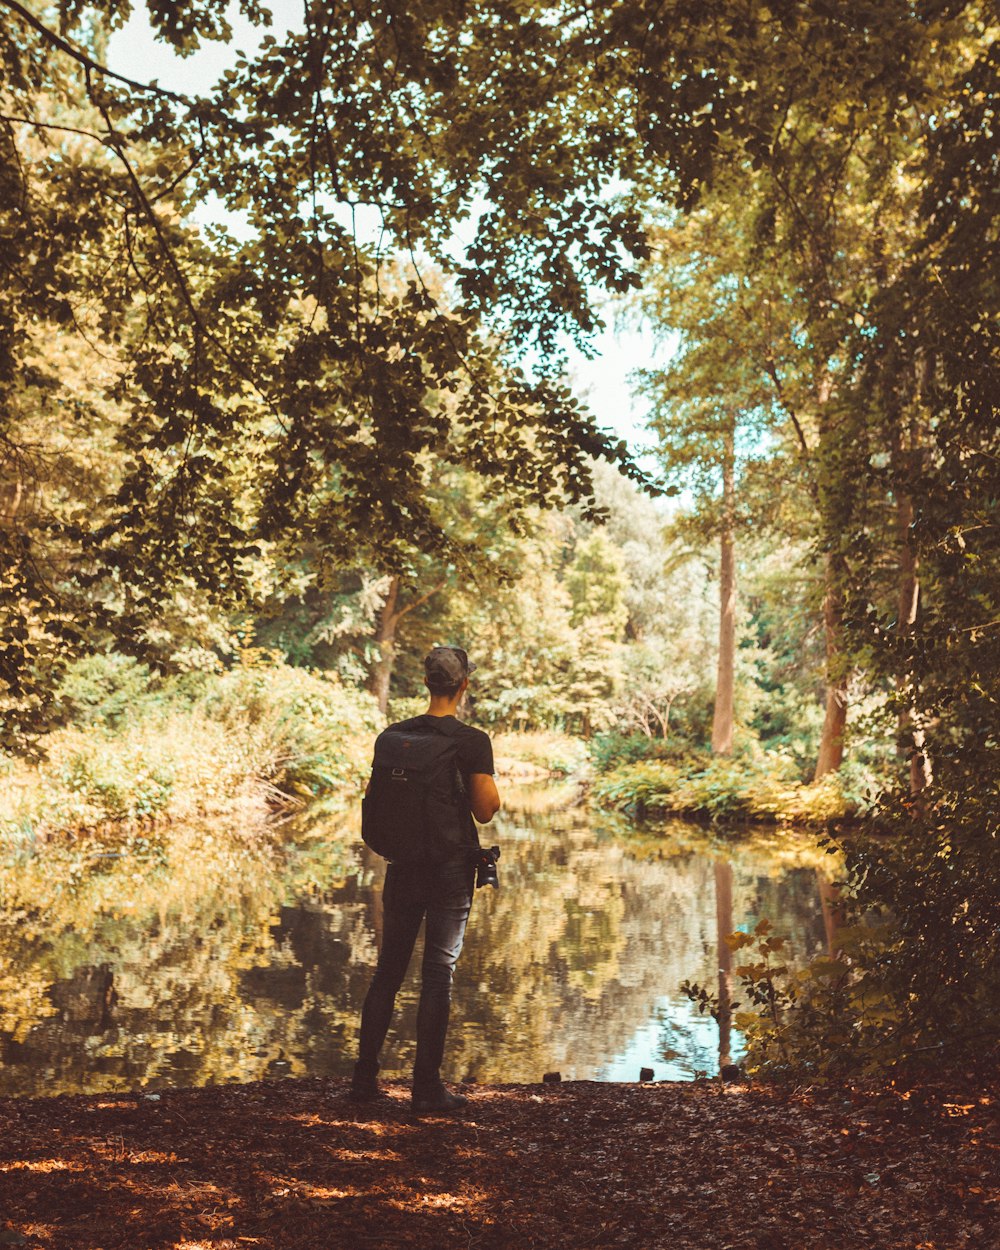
(281, 1165)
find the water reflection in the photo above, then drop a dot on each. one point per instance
(573, 965)
(723, 927)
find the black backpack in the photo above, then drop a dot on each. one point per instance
(416, 809)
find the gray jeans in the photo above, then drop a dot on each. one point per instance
(441, 896)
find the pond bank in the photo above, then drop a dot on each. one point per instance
(693, 1166)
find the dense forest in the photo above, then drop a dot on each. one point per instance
(249, 475)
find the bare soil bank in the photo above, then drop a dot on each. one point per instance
(282, 1165)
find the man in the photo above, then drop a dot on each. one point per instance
(438, 894)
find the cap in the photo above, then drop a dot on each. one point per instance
(447, 666)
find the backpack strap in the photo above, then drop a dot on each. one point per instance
(442, 725)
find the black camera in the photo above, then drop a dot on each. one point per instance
(486, 867)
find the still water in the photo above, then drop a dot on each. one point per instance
(257, 968)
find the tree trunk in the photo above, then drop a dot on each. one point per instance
(833, 912)
(385, 637)
(664, 719)
(911, 738)
(723, 928)
(723, 714)
(831, 746)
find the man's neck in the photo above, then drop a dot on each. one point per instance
(443, 707)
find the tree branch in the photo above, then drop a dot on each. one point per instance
(423, 599)
(772, 373)
(72, 130)
(77, 54)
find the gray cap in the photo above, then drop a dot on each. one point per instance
(447, 666)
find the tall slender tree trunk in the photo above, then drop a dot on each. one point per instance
(385, 637)
(911, 737)
(831, 745)
(723, 714)
(723, 928)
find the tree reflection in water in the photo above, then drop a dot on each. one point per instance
(723, 927)
(259, 969)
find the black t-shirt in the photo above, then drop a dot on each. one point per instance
(474, 749)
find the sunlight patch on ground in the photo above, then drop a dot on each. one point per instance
(466, 1202)
(117, 1151)
(317, 1193)
(366, 1156)
(40, 1165)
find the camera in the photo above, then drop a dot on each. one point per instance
(486, 867)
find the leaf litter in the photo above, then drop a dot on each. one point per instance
(294, 1165)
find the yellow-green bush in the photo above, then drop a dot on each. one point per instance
(737, 788)
(255, 740)
(542, 751)
(319, 729)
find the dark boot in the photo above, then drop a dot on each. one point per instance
(364, 1083)
(436, 1101)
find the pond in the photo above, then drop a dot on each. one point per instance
(239, 966)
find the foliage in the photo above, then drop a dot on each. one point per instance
(291, 382)
(865, 247)
(544, 753)
(255, 739)
(737, 788)
(303, 430)
(320, 728)
(615, 749)
(104, 689)
(793, 1019)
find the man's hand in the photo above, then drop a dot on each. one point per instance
(483, 797)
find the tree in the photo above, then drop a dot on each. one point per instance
(664, 662)
(936, 872)
(895, 270)
(329, 368)
(596, 583)
(712, 409)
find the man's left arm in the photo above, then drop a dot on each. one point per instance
(483, 796)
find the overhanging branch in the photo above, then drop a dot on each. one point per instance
(82, 58)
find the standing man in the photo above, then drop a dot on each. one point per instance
(431, 879)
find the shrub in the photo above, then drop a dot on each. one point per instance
(541, 750)
(115, 780)
(403, 709)
(609, 750)
(104, 689)
(750, 788)
(257, 739)
(638, 788)
(319, 728)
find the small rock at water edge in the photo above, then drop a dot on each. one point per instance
(645, 1074)
(550, 1078)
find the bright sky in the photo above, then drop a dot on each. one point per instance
(602, 382)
